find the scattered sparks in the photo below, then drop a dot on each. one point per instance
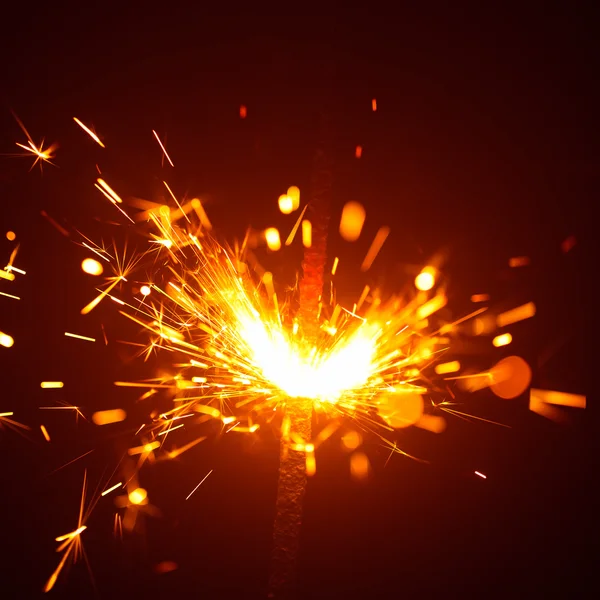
(89, 132)
(163, 148)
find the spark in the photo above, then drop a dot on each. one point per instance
(480, 475)
(163, 148)
(89, 132)
(91, 267)
(106, 417)
(378, 241)
(352, 221)
(45, 433)
(203, 480)
(525, 311)
(8, 296)
(80, 337)
(502, 340)
(41, 155)
(48, 385)
(6, 340)
(11, 236)
(111, 489)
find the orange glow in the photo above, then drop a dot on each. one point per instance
(6, 340)
(559, 398)
(374, 104)
(568, 244)
(519, 261)
(45, 433)
(432, 423)
(425, 280)
(138, 496)
(480, 297)
(510, 377)
(272, 238)
(353, 219)
(358, 151)
(286, 204)
(359, 466)
(502, 340)
(105, 417)
(294, 193)
(514, 315)
(375, 247)
(243, 112)
(11, 236)
(166, 566)
(306, 233)
(401, 409)
(352, 440)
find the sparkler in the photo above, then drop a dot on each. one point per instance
(240, 357)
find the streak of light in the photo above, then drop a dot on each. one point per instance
(163, 148)
(45, 434)
(106, 417)
(525, 311)
(55, 224)
(111, 489)
(306, 233)
(336, 262)
(6, 340)
(108, 191)
(374, 104)
(559, 398)
(352, 221)
(431, 306)
(295, 228)
(203, 480)
(89, 132)
(176, 201)
(10, 296)
(502, 340)
(48, 385)
(480, 475)
(375, 247)
(79, 337)
(449, 367)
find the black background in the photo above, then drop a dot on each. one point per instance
(481, 147)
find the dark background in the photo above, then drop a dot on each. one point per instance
(480, 147)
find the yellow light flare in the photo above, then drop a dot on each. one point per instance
(48, 385)
(480, 297)
(432, 306)
(91, 266)
(11, 236)
(286, 204)
(519, 261)
(525, 311)
(306, 233)
(106, 417)
(376, 244)
(9, 296)
(449, 367)
(311, 464)
(6, 340)
(359, 466)
(425, 280)
(243, 112)
(46, 435)
(89, 132)
(510, 377)
(559, 398)
(6, 275)
(352, 221)
(374, 104)
(294, 193)
(502, 340)
(272, 238)
(138, 496)
(145, 290)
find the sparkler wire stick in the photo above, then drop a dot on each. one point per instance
(292, 468)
